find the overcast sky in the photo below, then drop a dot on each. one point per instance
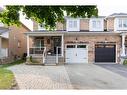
(106, 7)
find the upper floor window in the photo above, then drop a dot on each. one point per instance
(73, 24)
(96, 24)
(120, 24)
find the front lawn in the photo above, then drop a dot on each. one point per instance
(7, 79)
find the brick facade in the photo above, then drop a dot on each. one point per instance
(92, 40)
(17, 41)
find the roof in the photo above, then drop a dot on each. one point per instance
(117, 15)
(2, 30)
(86, 17)
(57, 33)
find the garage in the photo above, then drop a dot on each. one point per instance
(76, 53)
(105, 53)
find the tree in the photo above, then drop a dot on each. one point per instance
(48, 15)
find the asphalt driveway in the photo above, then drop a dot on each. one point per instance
(116, 68)
(73, 76)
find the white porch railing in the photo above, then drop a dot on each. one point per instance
(3, 52)
(36, 50)
(44, 55)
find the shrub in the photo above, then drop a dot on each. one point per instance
(125, 62)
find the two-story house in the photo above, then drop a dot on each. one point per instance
(12, 41)
(80, 40)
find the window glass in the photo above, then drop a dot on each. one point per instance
(81, 46)
(120, 23)
(125, 23)
(70, 46)
(72, 24)
(39, 43)
(96, 24)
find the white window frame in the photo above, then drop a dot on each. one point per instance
(75, 22)
(96, 27)
(117, 22)
(40, 43)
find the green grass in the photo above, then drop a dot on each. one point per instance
(13, 63)
(7, 80)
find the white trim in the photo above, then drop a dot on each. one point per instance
(116, 54)
(123, 45)
(116, 24)
(73, 29)
(62, 45)
(101, 28)
(28, 51)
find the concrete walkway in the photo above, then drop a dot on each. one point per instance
(75, 76)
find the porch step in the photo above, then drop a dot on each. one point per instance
(50, 60)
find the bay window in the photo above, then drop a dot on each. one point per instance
(96, 24)
(73, 24)
(121, 24)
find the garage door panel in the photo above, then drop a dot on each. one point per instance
(76, 55)
(105, 53)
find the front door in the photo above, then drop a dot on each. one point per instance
(57, 43)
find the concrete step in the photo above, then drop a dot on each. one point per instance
(50, 60)
(50, 64)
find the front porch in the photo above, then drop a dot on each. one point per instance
(43, 48)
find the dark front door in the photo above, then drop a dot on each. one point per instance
(105, 53)
(57, 43)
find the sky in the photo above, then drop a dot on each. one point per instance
(106, 7)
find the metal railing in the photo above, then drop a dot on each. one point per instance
(3, 52)
(44, 55)
(37, 50)
(57, 54)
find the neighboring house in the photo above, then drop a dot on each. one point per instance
(17, 41)
(4, 41)
(12, 39)
(80, 40)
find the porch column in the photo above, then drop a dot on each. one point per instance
(0, 42)
(123, 45)
(62, 45)
(28, 51)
